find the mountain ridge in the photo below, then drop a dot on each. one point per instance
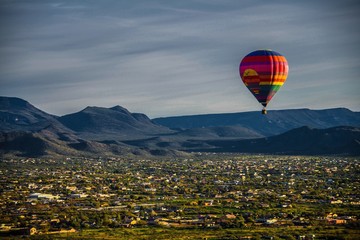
(28, 131)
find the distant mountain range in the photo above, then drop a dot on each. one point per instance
(96, 131)
(275, 122)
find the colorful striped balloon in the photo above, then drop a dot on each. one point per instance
(264, 72)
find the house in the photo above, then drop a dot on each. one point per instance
(271, 221)
(306, 237)
(78, 195)
(230, 216)
(39, 196)
(336, 221)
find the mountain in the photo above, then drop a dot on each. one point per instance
(19, 115)
(116, 123)
(301, 141)
(275, 122)
(27, 131)
(53, 141)
(97, 131)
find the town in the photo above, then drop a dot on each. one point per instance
(209, 196)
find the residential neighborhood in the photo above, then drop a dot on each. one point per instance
(209, 191)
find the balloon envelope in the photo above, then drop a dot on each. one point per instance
(264, 72)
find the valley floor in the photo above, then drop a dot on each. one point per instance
(212, 234)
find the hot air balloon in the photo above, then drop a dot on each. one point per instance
(263, 73)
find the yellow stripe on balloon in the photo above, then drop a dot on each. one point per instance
(271, 83)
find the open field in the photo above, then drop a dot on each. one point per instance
(209, 234)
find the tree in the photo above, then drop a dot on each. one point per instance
(240, 221)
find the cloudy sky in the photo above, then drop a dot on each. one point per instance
(166, 58)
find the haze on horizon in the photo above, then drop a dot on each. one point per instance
(166, 58)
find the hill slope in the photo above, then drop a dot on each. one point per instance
(302, 141)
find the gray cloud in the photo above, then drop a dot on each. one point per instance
(173, 58)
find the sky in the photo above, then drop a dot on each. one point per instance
(171, 58)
